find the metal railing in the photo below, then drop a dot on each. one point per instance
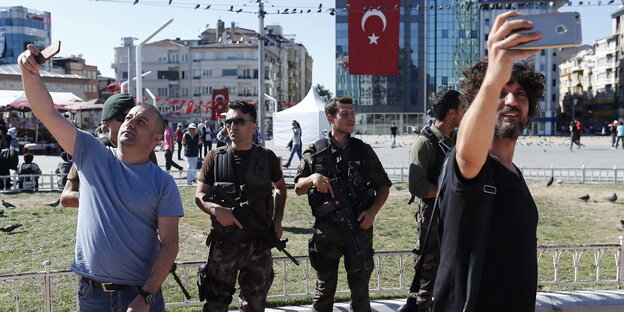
(393, 273)
(581, 174)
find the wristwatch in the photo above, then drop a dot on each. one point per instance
(148, 297)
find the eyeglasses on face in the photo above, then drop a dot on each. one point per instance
(237, 121)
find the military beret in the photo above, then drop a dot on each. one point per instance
(116, 105)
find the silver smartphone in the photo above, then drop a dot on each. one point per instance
(559, 30)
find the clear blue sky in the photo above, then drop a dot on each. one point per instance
(94, 28)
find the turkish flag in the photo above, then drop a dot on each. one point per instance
(189, 108)
(374, 37)
(220, 98)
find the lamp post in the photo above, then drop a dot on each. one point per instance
(261, 14)
(139, 79)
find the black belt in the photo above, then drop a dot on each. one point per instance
(106, 287)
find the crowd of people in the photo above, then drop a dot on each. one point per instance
(477, 218)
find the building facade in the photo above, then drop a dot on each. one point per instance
(20, 26)
(76, 66)
(588, 84)
(189, 70)
(618, 31)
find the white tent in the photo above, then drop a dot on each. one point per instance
(310, 113)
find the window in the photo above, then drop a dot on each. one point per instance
(185, 75)
(162, 58)
(185, 92)
(487, 22)
(553, 98)
(554, 67)
(542, 67)
(444, 33)
(184, 58)
(196, 73)
(197, 57)
(542, 52)
(229, 72)
(474, 34)
(207, 73)
(124, 75)
(163, 92)
(206, 90)
(554, 82)
(174, 58)
(197, 91)
(246, 73)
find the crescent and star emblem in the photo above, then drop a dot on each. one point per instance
(219, 96)
(374, 12)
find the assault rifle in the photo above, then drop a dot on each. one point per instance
(247, 217)
(349, 226)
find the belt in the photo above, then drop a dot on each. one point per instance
(106, 287)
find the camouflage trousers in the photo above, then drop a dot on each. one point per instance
(424, 297)
(326, 247)
(252, 262)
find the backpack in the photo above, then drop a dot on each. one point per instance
(28, 183)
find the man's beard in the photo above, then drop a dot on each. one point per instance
(511, 129)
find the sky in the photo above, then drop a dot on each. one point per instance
(95, 28)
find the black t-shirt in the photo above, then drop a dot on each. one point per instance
(394, 130)
(509, 278)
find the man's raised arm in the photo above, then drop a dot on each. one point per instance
(41, 102)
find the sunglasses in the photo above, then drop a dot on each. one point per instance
(237, 121)
(120, 118)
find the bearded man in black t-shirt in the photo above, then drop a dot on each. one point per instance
(488, 218)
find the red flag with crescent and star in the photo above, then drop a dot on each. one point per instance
(374, 37)
(220, 98)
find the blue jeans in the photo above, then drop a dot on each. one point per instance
(94, 299)
(295, 149)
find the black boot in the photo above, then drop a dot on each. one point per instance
(409, 306)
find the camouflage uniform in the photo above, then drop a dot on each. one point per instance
(327, 244)
(426, 159)
(234, 251)
(255, 264)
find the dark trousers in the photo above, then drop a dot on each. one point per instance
(207, 147)
(179, 149)
(326, 247)
(424, 296)
(169, 161)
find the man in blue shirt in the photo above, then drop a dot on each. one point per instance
(127, 231)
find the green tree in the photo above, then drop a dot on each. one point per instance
(323, 92)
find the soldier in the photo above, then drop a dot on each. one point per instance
(426, 158)
(342, 158)
(235, 251)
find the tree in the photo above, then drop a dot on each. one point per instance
(324, 93)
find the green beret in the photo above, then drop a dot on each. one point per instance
(116, 105)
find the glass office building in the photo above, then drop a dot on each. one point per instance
(451, 43)
(20, 26)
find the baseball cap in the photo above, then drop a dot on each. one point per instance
(192, 126)
(116, 105)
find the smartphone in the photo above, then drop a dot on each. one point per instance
(48, 52)
(559, 30)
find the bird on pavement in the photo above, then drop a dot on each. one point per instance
(612, 198)
(7, 204)
(584, 197)
(54, 203)
(2, 213)
(550, 181)
(622, 223)
(10, 228)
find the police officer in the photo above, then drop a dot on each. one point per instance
(235, 251)
(351, 165)
(426, 158)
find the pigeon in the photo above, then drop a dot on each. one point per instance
(2, 213)
(54, 203)
(622, 223)
(10, 228)
(550, 181)
(584, 197)
(612, 198)
(7, 204)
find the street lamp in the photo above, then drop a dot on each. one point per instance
(139, 79)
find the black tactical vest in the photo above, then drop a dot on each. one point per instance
(257, 190)
(334, 164)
